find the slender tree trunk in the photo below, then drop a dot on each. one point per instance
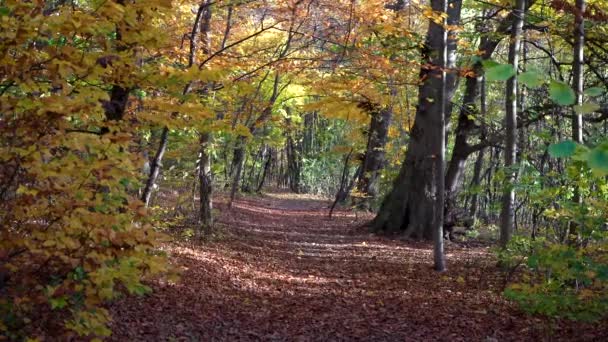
(155, 167)
(206, 186)
(439, 153)
(466, 119)
(265, 171)
(577, 68)
(475, 182)
(342, 194)
(237, 168)
(578, 85)
(204, 175)
(481, 154)
(508, 199)
(293, 164)
(203, 15)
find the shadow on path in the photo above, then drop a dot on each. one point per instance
(285, 272)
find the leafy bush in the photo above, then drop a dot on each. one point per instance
(566, 277)
(560, 280)
(72, 233)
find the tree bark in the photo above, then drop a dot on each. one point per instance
(374, 158)
(508, 199)
(294, 163)
(409, 207)
(206, 187)
(439, 153)
(476, 181)
(342, 191)
(578, 85)
(265, 171)
(155, 167)
(466, 119)
(577, 68)
(237, 168)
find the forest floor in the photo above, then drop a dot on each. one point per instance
(283, 271)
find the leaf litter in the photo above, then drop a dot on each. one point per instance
(283, 271)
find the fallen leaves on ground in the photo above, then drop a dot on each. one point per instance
(285, 272)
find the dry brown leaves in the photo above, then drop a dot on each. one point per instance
(285, 272)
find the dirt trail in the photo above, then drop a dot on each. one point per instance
(285, 272)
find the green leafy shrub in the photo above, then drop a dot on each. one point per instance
(560, 280)
(566, 277)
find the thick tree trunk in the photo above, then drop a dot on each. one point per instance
(374, 158)
(507, 214)
(238, 155)
(409, 207)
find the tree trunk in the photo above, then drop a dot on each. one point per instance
(374, 158)
(577, 69)
(466, 123)
(475, 185)
(294, 163)
(265, 171)
(476, 181)
(409, 207)
(578, 85)
(439, 153)
(206, 187)
(201, 25)
(237, 168)
(508, 199)
(155, 167)
(342, 193)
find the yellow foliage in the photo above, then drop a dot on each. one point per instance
(72, 232)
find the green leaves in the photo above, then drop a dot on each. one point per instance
(563, 149)
(531, 79)
(58, 303)
(499, 72)
(597, 160)
(586, 108)
(4, 11)
(594, 92)
(561, 93)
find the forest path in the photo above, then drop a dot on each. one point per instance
(284, 271)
